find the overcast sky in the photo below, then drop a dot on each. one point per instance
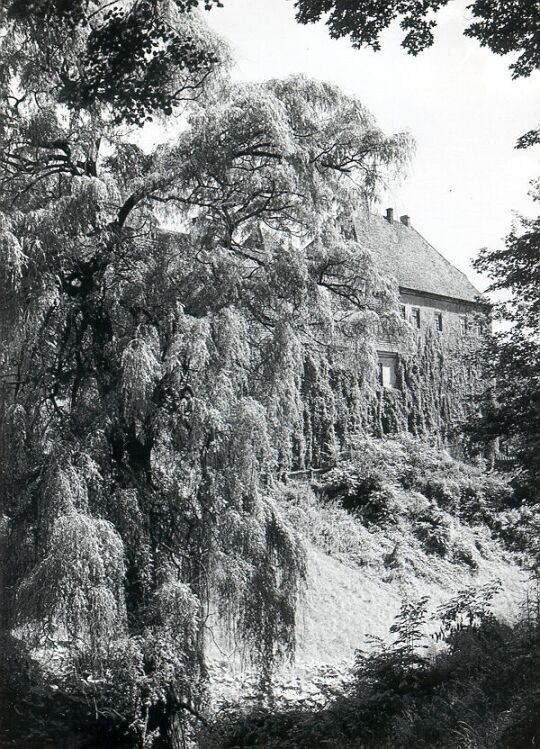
(458, 101)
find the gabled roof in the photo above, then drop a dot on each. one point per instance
(400, 251)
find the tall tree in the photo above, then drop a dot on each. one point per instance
(155, 377)
(511, 408)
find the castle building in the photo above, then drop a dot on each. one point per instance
(429, 381)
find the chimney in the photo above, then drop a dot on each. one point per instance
(405, 220)
(389, 215)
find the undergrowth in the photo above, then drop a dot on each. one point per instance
(403, 488)
(480, 691)
(474, 683)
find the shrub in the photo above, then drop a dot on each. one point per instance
(365, 495)
(464, 555)
(328, 527)
(433, 529)
(445, 493)
(481, 692)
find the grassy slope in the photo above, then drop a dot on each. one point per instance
(345, 605)
(398, 522)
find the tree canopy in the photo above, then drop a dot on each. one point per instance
(511, 408)
(504, 27)
(133, 59)
(161, 309)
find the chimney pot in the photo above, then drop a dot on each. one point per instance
(390, 215)
(406, 220)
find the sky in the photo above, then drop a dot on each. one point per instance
(457, 100)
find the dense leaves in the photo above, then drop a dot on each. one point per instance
(502, 26)
(162, 307)
(363, 23)
(511, 408)
(509, 28)
(515, 271)
(140, 58)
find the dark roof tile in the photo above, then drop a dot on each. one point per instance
(402, 252)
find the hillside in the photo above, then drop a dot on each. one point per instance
(399, 521)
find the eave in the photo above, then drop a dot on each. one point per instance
(487, 306)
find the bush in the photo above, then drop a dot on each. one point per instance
(446, 493)
(464, 555)
(363, 494)
(328, 527)
(481, 692)
(433, 529)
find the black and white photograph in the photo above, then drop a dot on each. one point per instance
(269, 374)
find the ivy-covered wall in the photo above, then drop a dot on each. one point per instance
(436, 378)
(438, 374)
(434, 390)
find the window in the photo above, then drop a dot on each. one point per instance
(403, 311)
(415, 316)
(387, 370)
(438, 321)
(479, 327)
(463, 324)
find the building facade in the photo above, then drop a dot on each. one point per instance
(429, 380)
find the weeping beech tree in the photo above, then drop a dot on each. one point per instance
(184, 327)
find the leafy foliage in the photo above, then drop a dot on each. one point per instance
(511, 403)
(371, 483)
(159, 374)
(481, 690)
(138, 58)
(516, 269)
(508, 28)
(501, 26)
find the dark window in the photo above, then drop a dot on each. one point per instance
(479, 327)
(438, 321)
(415, 314)
(463, 324)
(403, 311)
